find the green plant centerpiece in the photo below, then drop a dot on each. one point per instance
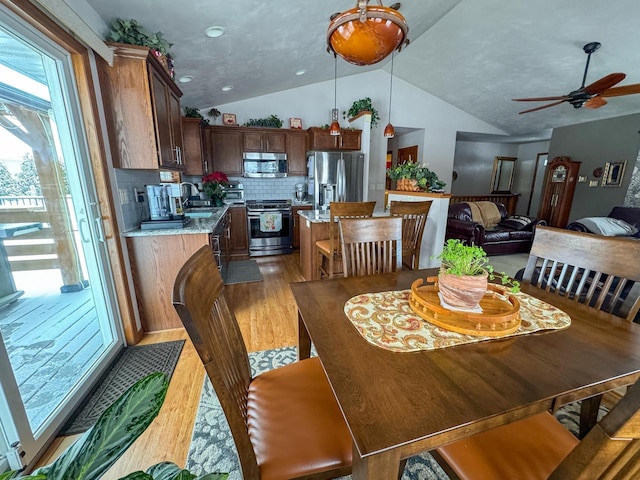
(464, 274)
(192, 112)
(363, 105)
(116, 429)
(414, 177)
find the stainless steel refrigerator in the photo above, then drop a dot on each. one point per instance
(335, 177)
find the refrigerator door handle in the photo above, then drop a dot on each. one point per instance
(341, 181)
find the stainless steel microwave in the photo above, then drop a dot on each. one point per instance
(265, 165)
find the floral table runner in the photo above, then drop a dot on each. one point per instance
(386, 320)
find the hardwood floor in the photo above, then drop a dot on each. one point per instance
(267, 316)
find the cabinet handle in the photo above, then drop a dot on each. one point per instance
(178, 155)
(206, 166)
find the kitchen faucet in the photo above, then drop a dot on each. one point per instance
(186, 201)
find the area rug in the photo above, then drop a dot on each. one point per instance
(131, 364)
(212, 448)
(242, 271)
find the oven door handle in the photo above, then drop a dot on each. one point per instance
(278, 210)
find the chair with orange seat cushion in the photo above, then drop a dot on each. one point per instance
(414, 219)
(539, 447)
(328, 251)
(286, 423)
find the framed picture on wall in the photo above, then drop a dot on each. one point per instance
(229, 119)
(613, 174)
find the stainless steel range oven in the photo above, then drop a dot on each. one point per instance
(270, 227)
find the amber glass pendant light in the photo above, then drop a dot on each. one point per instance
(334, 129)
(365, 34)
(389, 132)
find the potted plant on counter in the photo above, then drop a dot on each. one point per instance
(213, 186)
(415, 177)
(464, 274)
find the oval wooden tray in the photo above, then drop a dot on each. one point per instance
(500, 311)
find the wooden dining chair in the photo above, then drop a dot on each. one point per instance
(328, 251)
(414, 219)
(370, 245)
(595, 270)
(286, 423)
(540, 447)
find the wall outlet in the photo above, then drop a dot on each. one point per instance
(138, 195)
(124, 197)
(593, 183)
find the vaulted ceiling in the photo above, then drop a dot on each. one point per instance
(474, 54)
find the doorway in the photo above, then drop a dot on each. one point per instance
(58, 313)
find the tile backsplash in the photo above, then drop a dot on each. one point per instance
(263, 188)
(134, 212)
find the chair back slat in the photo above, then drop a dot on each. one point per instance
(592, 269)
(611, 450)
(414, 219)
(212, 327)
(371, 245)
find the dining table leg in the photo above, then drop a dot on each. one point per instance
(304, 340)
(384, 465)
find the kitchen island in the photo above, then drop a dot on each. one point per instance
(314, 226)
(158, 254)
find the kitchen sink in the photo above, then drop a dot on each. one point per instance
(199, 214)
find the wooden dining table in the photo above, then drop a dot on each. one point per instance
(398, 404)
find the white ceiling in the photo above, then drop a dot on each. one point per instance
(474, 54)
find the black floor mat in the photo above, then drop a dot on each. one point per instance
(132, 364)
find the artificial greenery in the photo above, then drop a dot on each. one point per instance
(425, 178)
(116, 429)
(460, 259)
(272, 121)
(214, 112)
(193, 112)
(131, 32)
(363, 105)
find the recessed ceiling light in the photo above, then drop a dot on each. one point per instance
(226, 88)
(185, 79)
(301, 72)
(214, 32)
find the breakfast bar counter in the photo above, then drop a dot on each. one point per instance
(314, 226)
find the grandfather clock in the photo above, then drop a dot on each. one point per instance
(557, 192)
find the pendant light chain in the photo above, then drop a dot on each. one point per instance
(391, 87)
(335, 81)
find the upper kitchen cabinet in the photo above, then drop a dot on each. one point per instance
(224, 149)
(194, 162)
(263, 140)
(143, 110)
(321, 139)
(297, 152)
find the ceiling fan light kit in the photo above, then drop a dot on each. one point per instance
(365, 35)
(590, 96)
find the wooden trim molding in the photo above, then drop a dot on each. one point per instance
(81, 60)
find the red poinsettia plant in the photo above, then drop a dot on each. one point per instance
(213, 185)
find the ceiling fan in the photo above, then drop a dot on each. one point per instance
(590, 96)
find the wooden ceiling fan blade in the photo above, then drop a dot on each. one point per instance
(604, 83)
(544, 106)
(595, 102)
(541, 99)
(623, 90)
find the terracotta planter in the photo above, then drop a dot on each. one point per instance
(407, 185)
(464, 291)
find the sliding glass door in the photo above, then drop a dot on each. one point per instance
(57, 311)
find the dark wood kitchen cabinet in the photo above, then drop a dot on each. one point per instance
(143, 110)
(238, 233)
(264, 140)
(296, 224)
(224, 149)
(193, 152)
(297, 152)
(321, 139)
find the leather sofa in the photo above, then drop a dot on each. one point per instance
(513, 234)
(630, 215)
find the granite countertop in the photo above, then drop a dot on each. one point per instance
(323, 216)
(196, 224)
